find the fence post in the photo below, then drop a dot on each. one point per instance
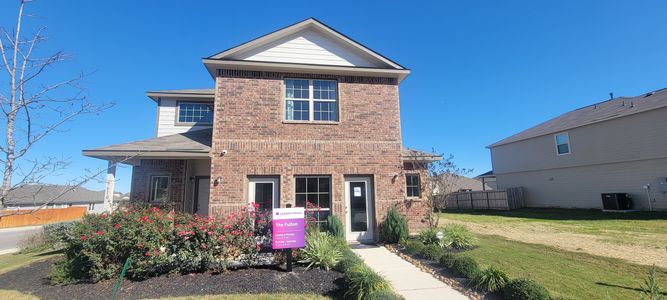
(488, 202)
(472, 204)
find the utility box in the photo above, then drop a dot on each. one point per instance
(616, 201)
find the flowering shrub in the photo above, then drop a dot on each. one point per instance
(159, 242)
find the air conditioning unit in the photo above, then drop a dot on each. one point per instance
(616, 201)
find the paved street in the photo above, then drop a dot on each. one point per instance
(10, 237)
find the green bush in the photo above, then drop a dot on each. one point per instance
(157, 242)
(458, 237)
(413, 247)
(524, 289)
(465, 266)
(429, 237)
(361, 282)
(394, 227)
(383, 295)
(56, 235)
(335, 227)
(321, 250)
(447, 260)
(348, 260)
(431, 252)
(490, 279)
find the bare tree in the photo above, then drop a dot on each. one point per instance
(33, 108)
(441, 178)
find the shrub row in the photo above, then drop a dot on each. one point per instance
(157, 242)
(360, 281)
(490, 279)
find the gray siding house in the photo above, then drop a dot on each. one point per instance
(615, 146)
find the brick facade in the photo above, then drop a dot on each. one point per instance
(249, 124)
(141, 180)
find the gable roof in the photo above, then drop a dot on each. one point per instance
(595, 113)
(52, 193)
(329, 50)
(409, 154)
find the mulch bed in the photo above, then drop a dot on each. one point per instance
(33, 280)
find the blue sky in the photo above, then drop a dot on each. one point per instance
(481, 70)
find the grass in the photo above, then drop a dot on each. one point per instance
(9, 262)
(566, 274)
(253, 296)
(10, 294)
(629, 228)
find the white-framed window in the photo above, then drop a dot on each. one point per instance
(311, 100)
(412, 186)
(91, 206)
(562, 143)
(314, 193)
(159, 189)
(195, 112)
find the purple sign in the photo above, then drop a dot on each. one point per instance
(288, 228)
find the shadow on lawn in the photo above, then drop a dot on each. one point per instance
(562, 214)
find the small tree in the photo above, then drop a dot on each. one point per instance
(32, 106)
(650, 290)
(441, 177)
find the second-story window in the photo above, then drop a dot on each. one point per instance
(311, 100)
(562, 144)
(195, 113)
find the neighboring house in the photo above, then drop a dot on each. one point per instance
(301, 115)
(488, 180)
(615, 146)
(458, 184)
(54, 196)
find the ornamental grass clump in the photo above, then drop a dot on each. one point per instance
(491, 279)
(321, 250)
(429, 237)
(394, 227)
(335, 227)
(458, 236)
(361, 282)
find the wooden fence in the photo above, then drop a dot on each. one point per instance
(511, 198)
(42, 216)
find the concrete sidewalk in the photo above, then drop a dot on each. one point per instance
(407, 280)
(10, 238)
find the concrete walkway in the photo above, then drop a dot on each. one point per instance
(407, 280)
(11, 237)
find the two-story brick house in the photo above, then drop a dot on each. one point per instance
(301, 115)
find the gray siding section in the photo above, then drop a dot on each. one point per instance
(619, 155)
(580, 187)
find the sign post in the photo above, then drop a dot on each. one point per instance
(288, 231)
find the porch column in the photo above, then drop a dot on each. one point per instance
(110, 185)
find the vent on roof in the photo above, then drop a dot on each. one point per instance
(649, 94)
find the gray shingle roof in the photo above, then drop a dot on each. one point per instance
(412, 154)
(599, 112)
(41, 194)
(198, 141)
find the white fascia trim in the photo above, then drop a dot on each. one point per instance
(213, 64)
(155, 96)
(145, 154)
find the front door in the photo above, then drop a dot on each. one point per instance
(202, 192)
(359, 209)
(265, 192)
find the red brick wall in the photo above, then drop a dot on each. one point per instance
(141, 180)
(249, 114)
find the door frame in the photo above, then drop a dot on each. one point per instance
(195, 199)
(368, 235)
(275, 180)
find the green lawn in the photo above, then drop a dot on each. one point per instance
(13, 261)
(566, 274)
(642, 228)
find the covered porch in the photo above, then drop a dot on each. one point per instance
(172, 171)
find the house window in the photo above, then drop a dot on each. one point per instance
(159, 188)
(314, 193)
(195, 113)
(562, 144)
(311, 100)
(412, 186)
(91, 206)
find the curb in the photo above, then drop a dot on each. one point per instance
(9, 251)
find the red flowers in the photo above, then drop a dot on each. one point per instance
(117, 226)
(104, 215)
(84, 237)
(99, 232)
